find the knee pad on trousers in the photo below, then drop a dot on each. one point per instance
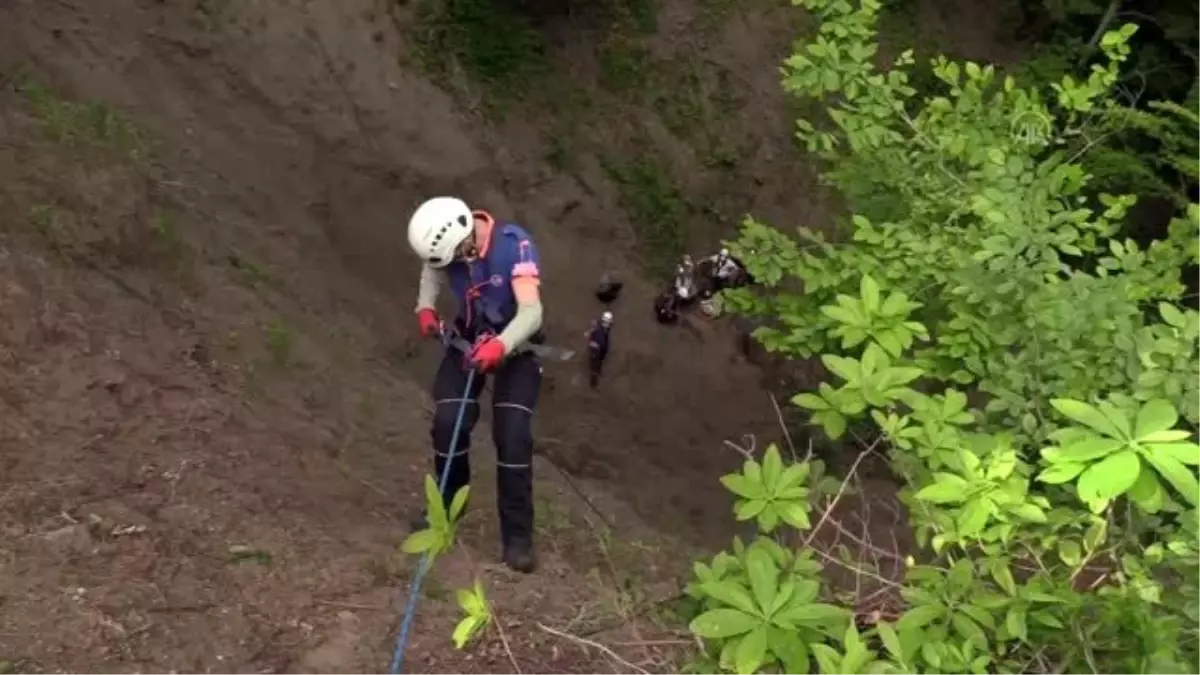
(445, 416)
(512, 432)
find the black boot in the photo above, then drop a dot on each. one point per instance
(518, 555)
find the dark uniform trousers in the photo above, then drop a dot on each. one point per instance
(518, 381)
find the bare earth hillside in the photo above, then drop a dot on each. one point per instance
(213, 407)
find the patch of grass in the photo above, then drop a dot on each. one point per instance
(639, 16)
(677, 100)
(42, 218)
(657, 208)
(624, 64)
(722, 158)
(280, 342)
(713, 15)
(548, 515)
(558, 151)
(254, 274)
(89, 124)
(492, 43)
(692, 97)
(211, 15)
(169, 242)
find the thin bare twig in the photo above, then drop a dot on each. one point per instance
(504, 641)
(858, 570)
(350, 605)
(787, 436)
(747, 453)
(841, 490)
(591, 643)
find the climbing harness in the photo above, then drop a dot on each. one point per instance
(414, 593)
(453, 339)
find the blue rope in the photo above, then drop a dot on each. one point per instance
(414, 593)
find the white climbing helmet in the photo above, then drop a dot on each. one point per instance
(724, 253)
(606, 318)
(437, 228)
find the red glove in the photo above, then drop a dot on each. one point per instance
(427, 319)
(487, 355)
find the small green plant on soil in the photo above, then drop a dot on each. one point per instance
(657, 208)
(280, 342)
(439, 538)
(83, 125)
(169, 241)
(624, 64)
(212, 15)
(1032, 375)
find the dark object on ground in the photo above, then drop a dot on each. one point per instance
(609, 288)
(666, 306)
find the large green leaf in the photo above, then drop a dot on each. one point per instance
(1147, 492)
(436, 508)
(920, 616)
(1179, 476)
(1155, 415)
(743, 486)
(466, 629)
(891, 641)
(947, 490)
(751, 651)
(1184, 453)
(763, 577)
(813, 614)
(459, 502)
(974, 516)
(421, 541)
(828, 659)
(1087, 415)
(1060, 473)
(723, 623)
(869, 292)
(750, 508)
(731, 593)
(1110, 477)
(796, 515)
(772, 467)
(1088, 449)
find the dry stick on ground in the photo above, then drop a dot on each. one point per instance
(350, 605)
(592, 643)
(747, 452)
(504, 641)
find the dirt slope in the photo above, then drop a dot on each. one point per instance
(214, 420)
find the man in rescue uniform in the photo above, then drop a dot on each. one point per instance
(492, 270)
(597, 338)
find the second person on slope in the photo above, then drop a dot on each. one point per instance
(493, 273)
